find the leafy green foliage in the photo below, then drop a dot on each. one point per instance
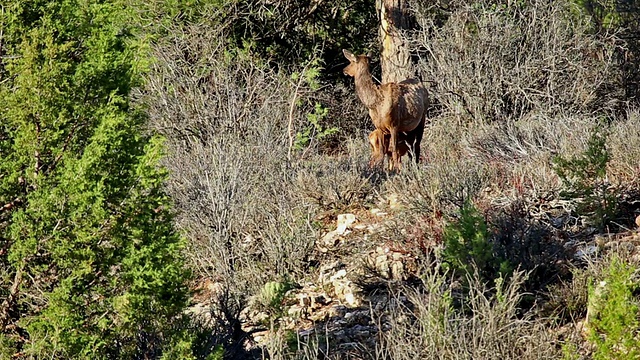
(604, 13)
(91, 265)
(467, 243)
(569, 352)
(315, 130)
(217, 354)
(614, 330)
(585, 178)
(310, 75)
(282, 33)
(333, 24)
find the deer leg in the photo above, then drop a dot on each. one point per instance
(378, 148)
(419, 132)
(393, 148)
(375, 159)
(382, 149)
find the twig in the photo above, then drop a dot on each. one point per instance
(1, 40)
(292, 107)
(10, 301)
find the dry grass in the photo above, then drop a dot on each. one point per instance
(339, 183)
(487, 326)
(623, 143)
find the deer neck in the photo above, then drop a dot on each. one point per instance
(368, 92)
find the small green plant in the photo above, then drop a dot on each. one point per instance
(585, 179)
(272, 295)
(315, 130)
(292, 341)
(310, 75)
(467, 242)
(7, 347)
(614, 326)
(217, 354)
(569, 351)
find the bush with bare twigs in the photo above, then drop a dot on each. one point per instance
(514, 85)
(496, 61)
(245, 188)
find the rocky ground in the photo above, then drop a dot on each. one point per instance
(346, 301)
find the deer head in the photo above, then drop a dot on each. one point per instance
(355, 63)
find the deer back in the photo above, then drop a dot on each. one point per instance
(403, 105)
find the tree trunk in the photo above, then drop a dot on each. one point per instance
(395, 57)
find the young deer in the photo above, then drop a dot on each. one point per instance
(394, 107)
(380, 146)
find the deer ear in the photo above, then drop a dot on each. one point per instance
(349, 55)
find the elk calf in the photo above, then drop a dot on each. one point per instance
(379, 142)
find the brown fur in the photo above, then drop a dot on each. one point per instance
(380, 146)
(394, 107)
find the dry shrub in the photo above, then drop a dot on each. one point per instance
(245, 199)
(624, 145)
(521, 140)
(523, 150)
(429, 327)
(514, 84)
(510, 159)
(445, 178)
(566, 301)
(347, 113)
(228, 121)
(500, 61)
(526, 147)
(339, 183)
(526, 241)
